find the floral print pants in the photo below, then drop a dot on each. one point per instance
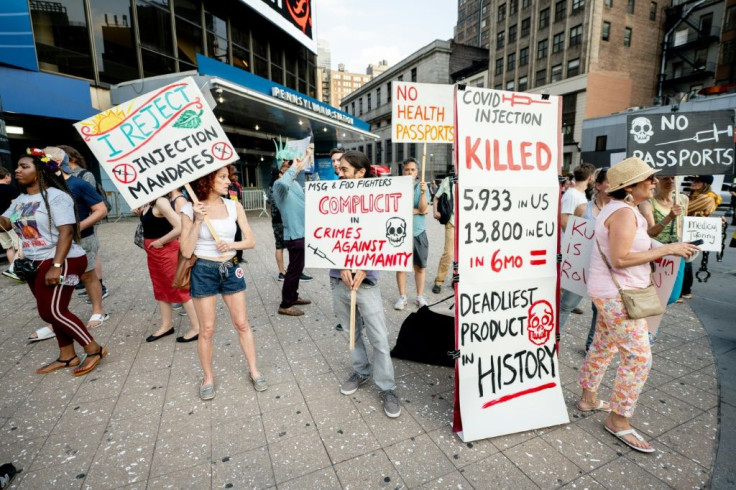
(616, 332)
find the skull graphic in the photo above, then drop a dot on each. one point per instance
(540, 322)
(395, 231)
(641, 129)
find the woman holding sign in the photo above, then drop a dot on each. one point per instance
(622, 256)
(216, 270)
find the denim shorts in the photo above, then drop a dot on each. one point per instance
(210, 278)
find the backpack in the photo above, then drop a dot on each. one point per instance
(98, 187)
(445, 206)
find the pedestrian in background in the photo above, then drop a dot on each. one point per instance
(8, 239)
(703, 203)
(446, 188)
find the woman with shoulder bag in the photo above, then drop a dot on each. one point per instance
(216, 270)
(45, 218)
(620, 264)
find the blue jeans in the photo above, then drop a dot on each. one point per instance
(371, 318)
(568, 302)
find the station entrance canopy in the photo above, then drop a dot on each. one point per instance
(255, 111)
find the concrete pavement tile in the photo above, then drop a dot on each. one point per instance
(372, 470)
(65, 477)
(139, 404)
(168, 459)
(74, 448)
(25, 425)
(690, 394)
(83, 416)
(315, 387)
(139, 431)
(390, 431)
(496, 471)
(276, 371)
(309, 366)
(279, 396)
(97, 386)
(540, 462)
(331, 408)
(691, 355)
(650, 422)
(668, 405)
(195, 431)
(234, 436)
(670, 368)
(704, 379)
(235, 401)
(569, 375)
(655, 379)
(671, 468)
(199, 476)
(182, 406)
(300, 348)
(298, 456)
(696, 439)
(458, 452)
(666, 341)
(431, 411)
(122, 465)
(584, 482)
(418, 460)
(287, 422)
(580, 447)
(21, 454)
(147, 361)
(347, 439)
(450, 481)
(511, 440)
(325, 479)
(251, 469)
(147, 380)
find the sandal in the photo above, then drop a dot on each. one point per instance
(99, 354)
(623, 433)
(65, 363)
(601, 407)
(42, 333)
(98, 319)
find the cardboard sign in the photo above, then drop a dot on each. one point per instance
(684, 143)
(577, 243)
(361, 224)
(422, 112)
(707, 229)
(507, 158)
(158, 142)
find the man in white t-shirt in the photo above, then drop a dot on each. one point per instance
(575, 195)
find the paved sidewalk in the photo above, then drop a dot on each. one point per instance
(137, 422)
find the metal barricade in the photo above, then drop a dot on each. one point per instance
(255, 200)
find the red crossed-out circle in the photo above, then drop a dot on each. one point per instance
(222, 151)
(124, 173)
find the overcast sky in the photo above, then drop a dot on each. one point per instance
(361, 32)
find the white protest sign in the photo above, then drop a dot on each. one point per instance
(576, 247)
(158, 142)
(508, 155)
(706, 229)
(359, 224)
(422, 112)
(664, 277)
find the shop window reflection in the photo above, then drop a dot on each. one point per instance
(114, 40)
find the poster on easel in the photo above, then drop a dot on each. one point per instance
(507, 156)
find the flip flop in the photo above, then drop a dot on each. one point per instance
(601, 407)
(42, 333)
(620, 436)
(65, 363)
(99, 354)
(97, 317)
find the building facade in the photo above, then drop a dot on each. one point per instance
(434, 63)
(343, 83)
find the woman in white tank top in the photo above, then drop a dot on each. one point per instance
(217, 272)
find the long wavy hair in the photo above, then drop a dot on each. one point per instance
(49, 175)
(203, 185)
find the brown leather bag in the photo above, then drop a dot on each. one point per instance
(183, 272)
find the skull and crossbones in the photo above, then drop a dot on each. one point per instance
(540, 322)
(641, 129)
(395, 231)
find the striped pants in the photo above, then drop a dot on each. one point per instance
(52, 302)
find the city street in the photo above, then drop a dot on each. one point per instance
(137, 420)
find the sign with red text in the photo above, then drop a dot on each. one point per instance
(422, 113)
(361, 224)
(706, 229)
(507, 159)
(158, 142)
(577, 243)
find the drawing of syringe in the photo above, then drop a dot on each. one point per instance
(703, 136)
(319, 253)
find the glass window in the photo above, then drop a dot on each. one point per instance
(576, 35)
(389, 151)
(241, 59)
(154, 26)
(526, 26)
(156, 64)
(542, 47)
(378, 97)
(573, 67)
(216, 37)
(543, 18)
(400, 152)
(729, 23)
(524, 56)
(511, 61)
(499, 66)
(556, 74)
(652, 10)
(502, 12)
(577, 6)
(512, 33)
(189, 10)
(569, 103)
(414, 74)
(500, 40)
(379, 151)
(513, 6)
(369, 151)
(412, 149)
(114, 41)
(260, 56)
(560, 10)
(360, 106)
(541, 77)
(188, 43)
(608, 3)
(62, 40)
(600, 142)
(558, 42)
(498, 86)
(523, 83)
(388, 92)
(606, 32)
(630, 6)
(627, 36)
(369, 102)
(525, 4)
(510, 85)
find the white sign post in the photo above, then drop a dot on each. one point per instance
(706, 229)
(158, 142)
(508, 154)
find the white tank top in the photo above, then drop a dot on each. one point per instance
(224, 227)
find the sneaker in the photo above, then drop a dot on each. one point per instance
(79, 286)
(10, 274)
(7, 473)
(83, 292)
(281, 277)
(436, 289)
(577, 311)
(421, 301)
(400, 303)
(177, 306)
(687, 296)
(305, 278)
(105, 294)
(652, 338)
(260, 384)
(352, 384)
(390, 403)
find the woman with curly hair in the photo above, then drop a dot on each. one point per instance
(216, 270)
(45, 218)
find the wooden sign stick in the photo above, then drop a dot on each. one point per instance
(353, 301)
(194, 199)
(677, 201)
(424, 159)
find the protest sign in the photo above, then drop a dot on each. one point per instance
(706, 229)
(684, 143)
(359, 224)
(422, 112)
(577, 242)
(508, 156)
(157, 142)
